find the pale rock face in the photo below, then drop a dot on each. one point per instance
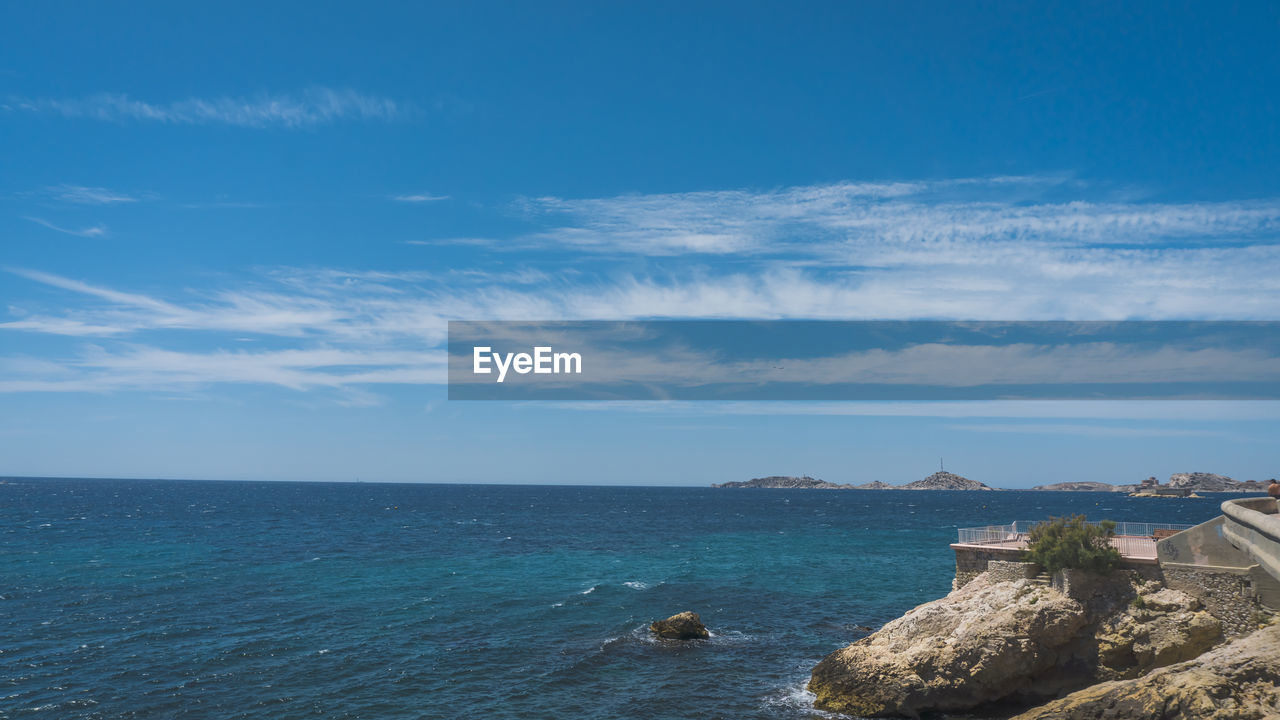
(1013, 640)
(1237, 681)
(978, 644)
(1167, 627)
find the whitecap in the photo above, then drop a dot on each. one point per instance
(636, 585)
(796, 698)
(588, 591)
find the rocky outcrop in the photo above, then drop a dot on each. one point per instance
(1201, 481)
(876, 485)
(1158, 629)
(681, 626)
(1013, 641)
(1237, 681)
(944, 480)
(1081, 486)
(781, 481)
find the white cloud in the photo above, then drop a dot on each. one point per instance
(1104, 431)
(886, 224)
(1163, 410)
(314, 106)
(84, 195)
(980, 249)
(420, 198)
(91, 231)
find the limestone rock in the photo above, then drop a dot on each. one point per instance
(681, 626)
(1203, 481)
(979, 644)
(1158, 629)
(1013, 641)
(1237, 681)
(944, 480)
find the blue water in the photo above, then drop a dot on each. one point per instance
(168, 599)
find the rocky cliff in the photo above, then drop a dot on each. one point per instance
(1012, 642)
(1237, 681)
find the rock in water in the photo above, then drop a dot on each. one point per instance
(1237, 681)
(681, 626)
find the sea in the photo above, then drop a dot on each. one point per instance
(205, 599)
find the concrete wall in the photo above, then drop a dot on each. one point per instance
(1252, 526)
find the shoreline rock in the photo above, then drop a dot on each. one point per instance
(1015, 641)
(1239, 680)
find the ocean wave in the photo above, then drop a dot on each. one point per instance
(796, 698)
(637, 585)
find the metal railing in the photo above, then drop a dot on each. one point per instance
(988, 535)
(1132, 539)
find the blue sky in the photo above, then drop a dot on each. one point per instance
(232, 237)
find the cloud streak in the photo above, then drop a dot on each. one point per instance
(968, 249)
(92, 231)
(311, 107)
(82, 195)
(420, 198)
(885, 224)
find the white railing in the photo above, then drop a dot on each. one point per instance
(987, 535)
(1131, 538)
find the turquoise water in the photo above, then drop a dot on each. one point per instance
(175, 599)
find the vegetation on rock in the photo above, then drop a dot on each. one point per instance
(1073, 543)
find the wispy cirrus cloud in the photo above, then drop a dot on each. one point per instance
(419, 198)
(977, 249)
(91, 231)
(886, 223)
(314, 106)
(84, 195)
(1104, 431)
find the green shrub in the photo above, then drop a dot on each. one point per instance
(1073, 543)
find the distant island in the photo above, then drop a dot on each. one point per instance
(1179, 483)
(941, 480)
(782, 481)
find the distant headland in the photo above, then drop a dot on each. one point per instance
(941, 480)
(1179, 485)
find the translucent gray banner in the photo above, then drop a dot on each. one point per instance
(862, 360)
